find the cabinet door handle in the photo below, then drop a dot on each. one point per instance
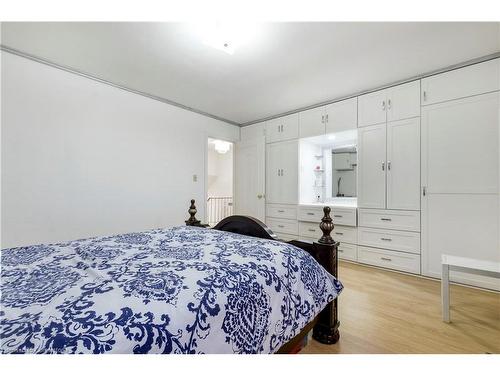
(339, 233)
(282, 172)
(385, 219)
(310, 213)
(386, 239)
(425, 95)
(389, 104)
(383, 166)
(386, 259)
(326, 118)
(424, 191)
(281, 211)
(278, 128)
(337, 215)
(388, 165)
(311, 230)
(383, 105)
(282, 128)
(323, 119)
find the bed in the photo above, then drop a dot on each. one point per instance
(189, 289)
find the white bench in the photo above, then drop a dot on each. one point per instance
(474, 266)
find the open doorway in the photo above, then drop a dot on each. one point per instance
(219, 180)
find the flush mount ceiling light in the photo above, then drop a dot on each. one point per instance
(225, 36)
(221, 146)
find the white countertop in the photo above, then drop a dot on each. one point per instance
(335, 202)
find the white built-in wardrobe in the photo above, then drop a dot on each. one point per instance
(428, 170)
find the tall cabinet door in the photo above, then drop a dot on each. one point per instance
(312, 122)
(403, 164)
(249, 181)
(460, 171)
(282, 172)
(371, 166)
(372, 108)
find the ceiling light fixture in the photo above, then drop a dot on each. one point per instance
(221, 146)
(225, 36)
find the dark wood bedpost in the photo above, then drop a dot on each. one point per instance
(193, 221)
(326, 329)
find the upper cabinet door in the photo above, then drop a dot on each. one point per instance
(342, 115)
(403, 101)
(312, 122)
(460, 83)
(403, 164)
(371, 166)
(372, 108)
(283, 128)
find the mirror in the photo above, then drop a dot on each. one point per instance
(344, 170)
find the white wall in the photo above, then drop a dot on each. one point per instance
(81, 158)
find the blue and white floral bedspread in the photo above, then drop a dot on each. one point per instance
(180, 290)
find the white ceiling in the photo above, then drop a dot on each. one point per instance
(285, 67)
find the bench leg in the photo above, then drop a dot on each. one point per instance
(445, 292)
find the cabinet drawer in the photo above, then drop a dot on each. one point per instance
(459, 83)
(348, 252)
(345, 234)
(310, 230)
(310, 213)
(389, 259)
(344, 216)
(390, 239)
(281, 211)
(285, 236)
(282, 225)
(283, 128)
(390, 219)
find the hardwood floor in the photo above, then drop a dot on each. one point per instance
(388, 312)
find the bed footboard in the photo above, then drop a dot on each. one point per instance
(326, 329)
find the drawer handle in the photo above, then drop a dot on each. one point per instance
(386, 239)
(310, 213)
(337, 215)
(311, 230)
(281, 226)
(340, 233)
(281, 211)
(385, 219)
(340, 251)
(386, 259)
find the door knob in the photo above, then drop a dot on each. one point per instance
(259, 196)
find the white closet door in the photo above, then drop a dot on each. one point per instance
(403, 164)
(403, 101)
(342, 115)
(282, 172)
(372, 108)
(460, 170)
(249, 178)
(371, 166)
(312, 122)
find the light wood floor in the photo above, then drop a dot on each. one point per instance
(388, 312)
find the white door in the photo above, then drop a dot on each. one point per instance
(372, 108)
(342, 115)
(312, 122)
(282, 172)
(460, 172)
(371, 166)
(249, 182)
(403, 101)
(403, 164)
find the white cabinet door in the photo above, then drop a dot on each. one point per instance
(282, 128)
(342, 116)
(282, 172)
(312, 122)
(403, 101)
(372, 108)
(403, 164)
(249, 177)
(253, 131)
(460, 83)
(460, 145)
(371, 166)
